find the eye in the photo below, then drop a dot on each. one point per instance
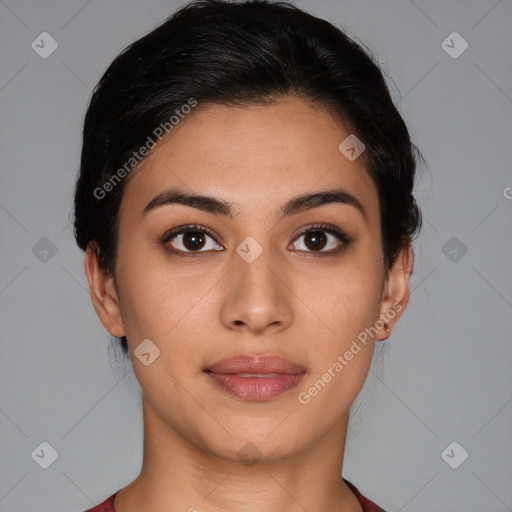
(190, 239)
(320, 236)
(193, 238)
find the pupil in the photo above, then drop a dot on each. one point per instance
(317, 238)
(192, 239)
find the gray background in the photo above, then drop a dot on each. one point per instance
(444, 375)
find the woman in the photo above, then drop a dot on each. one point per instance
(246, 211)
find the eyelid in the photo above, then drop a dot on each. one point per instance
(329, 228)
(187, 227)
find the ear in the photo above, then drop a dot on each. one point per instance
(103, 293)
(395, 294)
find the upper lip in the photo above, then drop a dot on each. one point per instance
(255, 364)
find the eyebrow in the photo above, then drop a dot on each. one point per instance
(294, 206)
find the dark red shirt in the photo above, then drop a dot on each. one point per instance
(368, 506)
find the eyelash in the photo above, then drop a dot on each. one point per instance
(327, 228)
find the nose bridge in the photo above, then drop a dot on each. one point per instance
(256, 296)
(257, 271)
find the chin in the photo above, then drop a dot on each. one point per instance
(255, 441)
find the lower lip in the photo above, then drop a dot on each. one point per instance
(256, 389)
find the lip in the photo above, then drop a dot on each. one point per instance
(255, 364)
(255, 378)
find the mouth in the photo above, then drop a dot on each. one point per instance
(255, 378)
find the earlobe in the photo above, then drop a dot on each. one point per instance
(396, 298)
(103, 292)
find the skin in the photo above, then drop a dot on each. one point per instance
(293, 302)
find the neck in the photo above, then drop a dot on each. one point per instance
(177, 475)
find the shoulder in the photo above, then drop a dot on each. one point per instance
(104, 506)
(367, 504)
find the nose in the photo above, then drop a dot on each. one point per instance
(256, 297)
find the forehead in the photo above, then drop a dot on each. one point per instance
(254, 157)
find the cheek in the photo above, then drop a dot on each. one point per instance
(346, 301)
(339, 338)
(144, 294)
(164, 304)
(341, 348)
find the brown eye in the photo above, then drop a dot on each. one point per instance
(318, 238)
(193, 240)
(315, 240)
(189, 239)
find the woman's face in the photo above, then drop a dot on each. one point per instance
(248, 281)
